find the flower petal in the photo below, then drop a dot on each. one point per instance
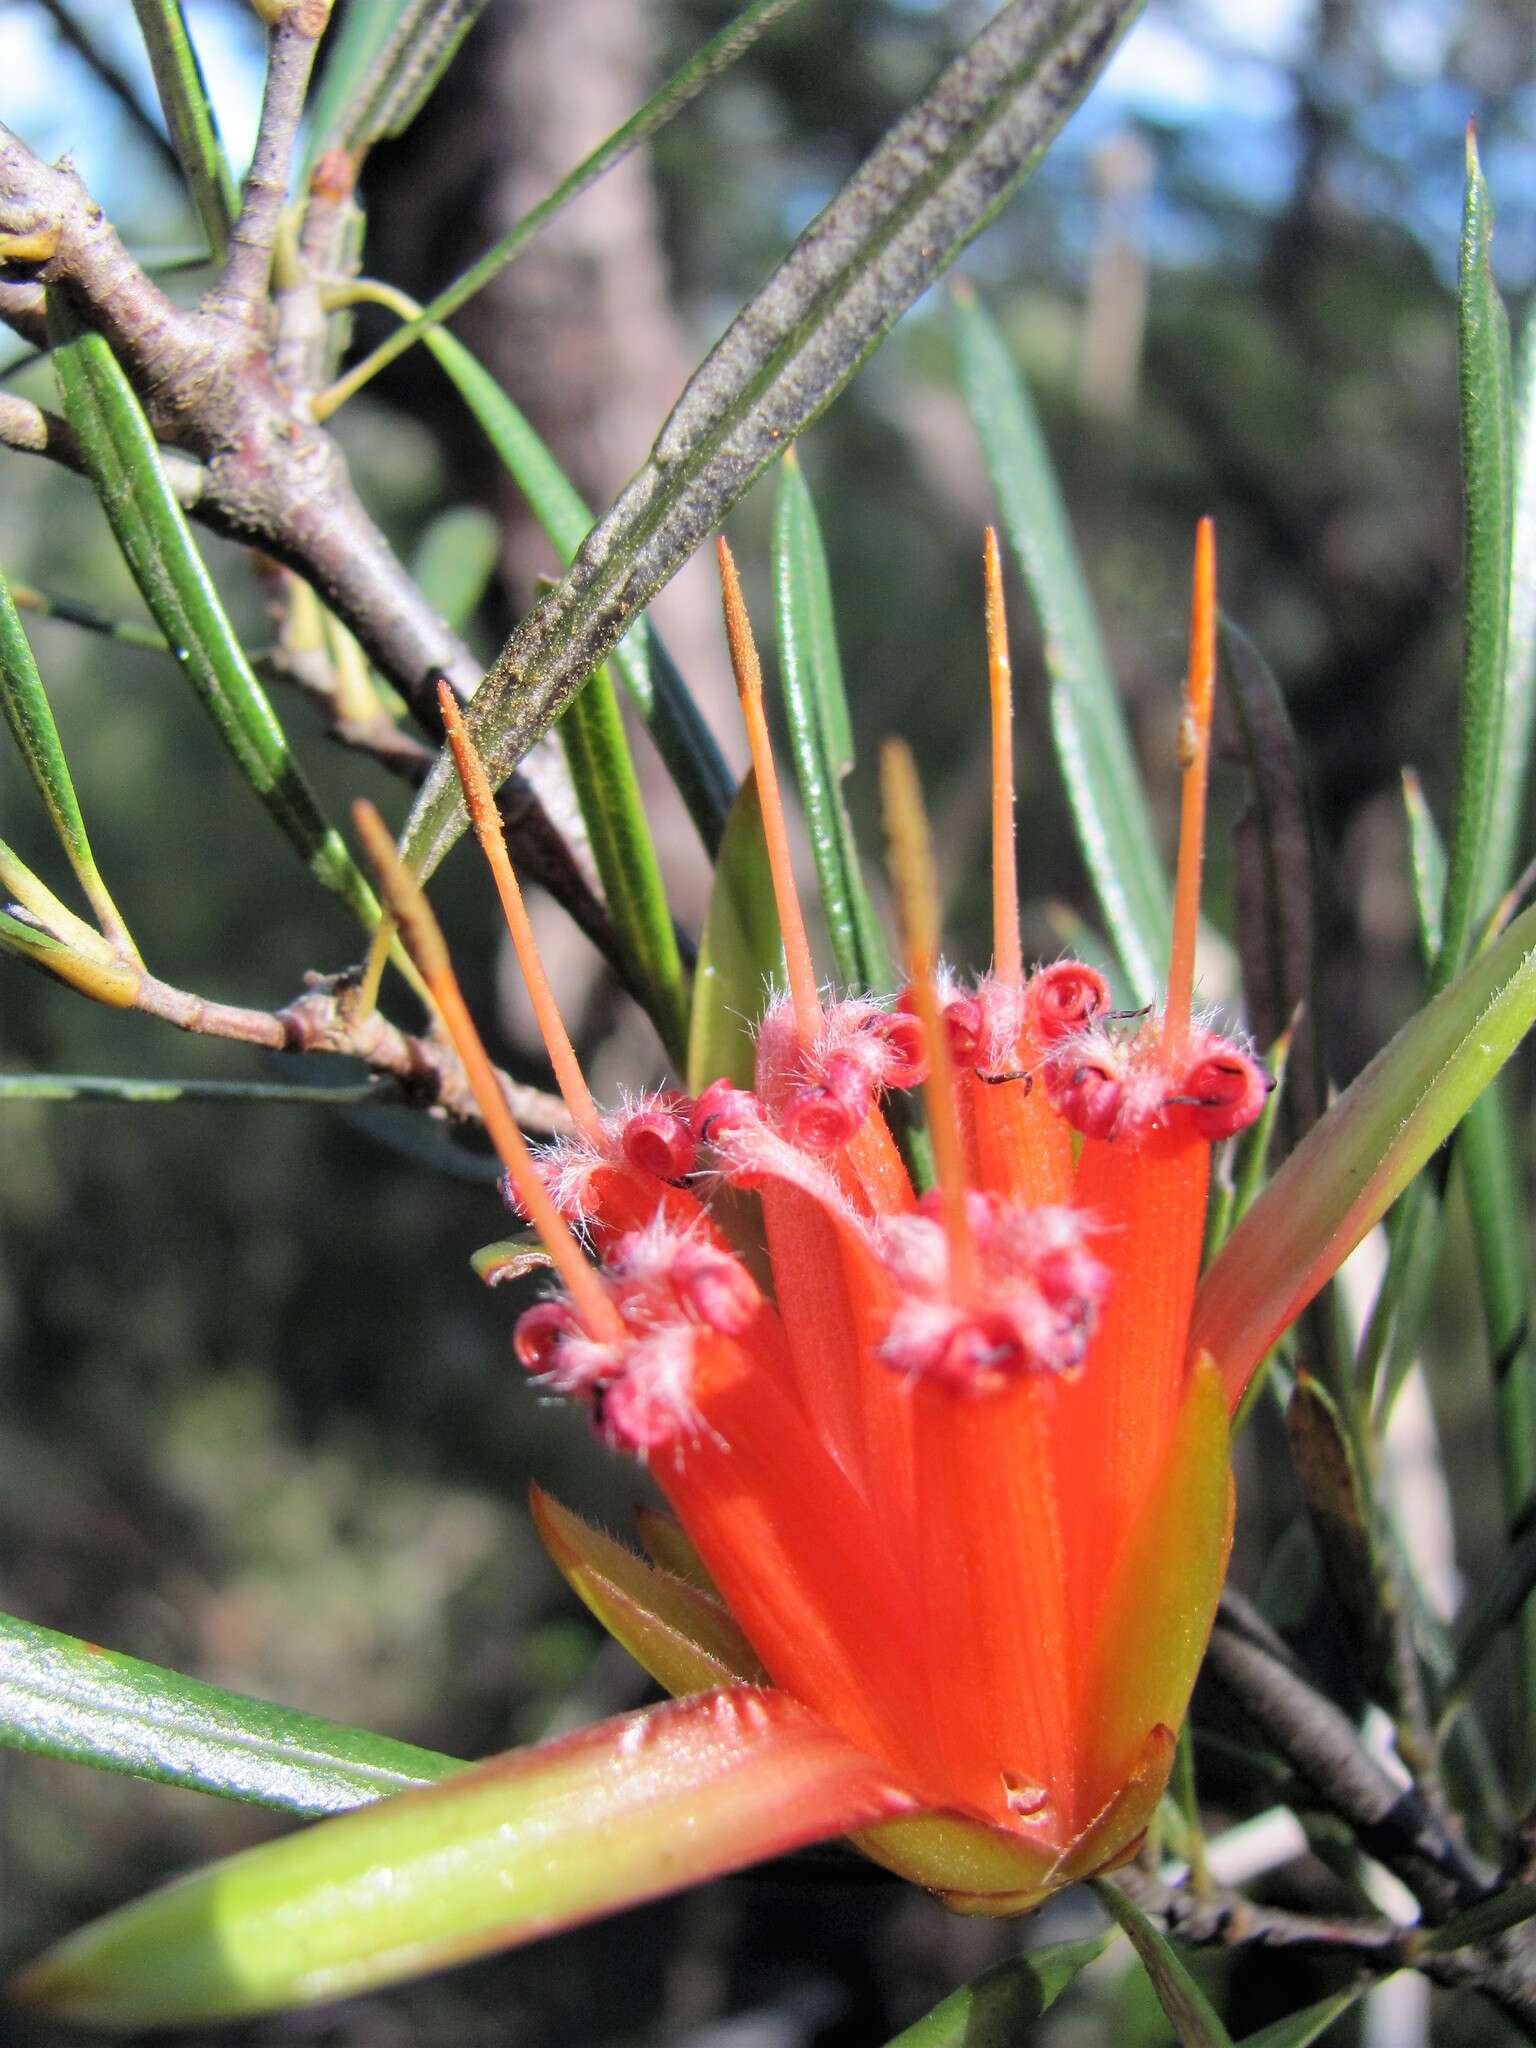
(497, 1855)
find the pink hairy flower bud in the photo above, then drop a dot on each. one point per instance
(649, 1403)
(823, 1114)
(1225, 1089)
(1065, 997)
(716, 1288)
(660, 1138)
(983, 1353)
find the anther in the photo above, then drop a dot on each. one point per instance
(963, 1026)
(826, 1113)
(722, 1108)
(1087, 1091)
(1065, 997)
(540, 1331)
(660, 1139)
(906, 1061)
(1224, 1089)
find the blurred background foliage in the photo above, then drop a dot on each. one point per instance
(258, 1419)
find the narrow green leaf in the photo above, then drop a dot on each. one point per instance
(190, 118)
(385, 59)
(1188, 2011)
(821, 735)
(687, 747)
(1354, 1163)
(1426, 860)
(940, 174)
(1301, 2029)
(741, 952)
(455, 560)
(1472, 887)
(490, 1857)
(152, 531)
(721, 51)
(130, 1088)
(591, 729)
(1502, 1599)
(65, 1698)
(30, 717)
(1482, 1922)
(1512, 768)
(1094, 747)
(994, 2009)
(1494, 1183)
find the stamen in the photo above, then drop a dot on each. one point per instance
(1195, 755)
(424, 941)
(798, 962)
(480, 800)
(1007, 953)
(909, 852)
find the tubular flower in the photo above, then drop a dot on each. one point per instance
(942, 1456)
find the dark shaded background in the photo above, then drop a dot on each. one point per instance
(257, 1419)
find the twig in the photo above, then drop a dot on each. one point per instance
(329, 1019)
(1318, 1740)
(270, 477)
(241, 293)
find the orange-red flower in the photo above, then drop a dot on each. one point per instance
(943, 1455)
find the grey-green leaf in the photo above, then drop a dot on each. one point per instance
(939, 175)
(65, 1698)
(685, 743)
(385, 60)
(1094, 746)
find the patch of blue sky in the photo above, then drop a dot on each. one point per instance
(56, 103)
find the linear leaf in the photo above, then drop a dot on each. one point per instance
(1504, 825)
(1354, 1163)
(684, 85)
(1094, 746)
(591, 729)
(190, 118)
(1487, 508)
(131, 1088)
(152, 531)
(1301, 2029)
(1426, 860)
(939, 175)
(455, 560)
(820, 732)
(490, 1857)
(1484, 1921)
(994, 2009)
(741, 951)
(685, 743)
(1186, 2008)
(65, 1698)
(385, 60)
(30, 717)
